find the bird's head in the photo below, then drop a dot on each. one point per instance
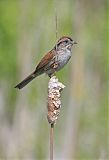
(65, 42)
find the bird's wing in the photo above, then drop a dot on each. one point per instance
(45, 60)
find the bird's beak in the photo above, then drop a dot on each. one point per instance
(75, 42)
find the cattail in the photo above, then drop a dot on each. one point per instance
(54, 102)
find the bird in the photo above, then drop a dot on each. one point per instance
(53, 61)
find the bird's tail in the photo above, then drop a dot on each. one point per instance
(26, 80)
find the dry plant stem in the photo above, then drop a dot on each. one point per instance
(56, 19)
(51, 141)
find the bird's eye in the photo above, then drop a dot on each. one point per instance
(66, 41)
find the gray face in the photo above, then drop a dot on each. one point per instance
(65, 43)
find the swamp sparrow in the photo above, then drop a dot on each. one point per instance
(53, 61)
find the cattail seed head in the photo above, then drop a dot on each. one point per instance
(54, 102)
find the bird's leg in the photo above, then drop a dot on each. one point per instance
(54, 66)
(51, 75)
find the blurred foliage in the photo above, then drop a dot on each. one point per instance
(27, 31)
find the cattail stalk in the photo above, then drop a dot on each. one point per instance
(53, 106)
(51, 140)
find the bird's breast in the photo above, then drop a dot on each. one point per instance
(62, 58)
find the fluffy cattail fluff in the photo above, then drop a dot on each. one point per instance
(54, 102)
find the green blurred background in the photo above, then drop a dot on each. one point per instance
(27, 32)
